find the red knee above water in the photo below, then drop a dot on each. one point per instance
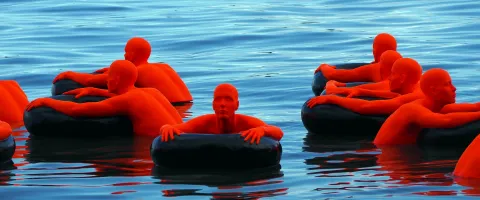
(224, 120)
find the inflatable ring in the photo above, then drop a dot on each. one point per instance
(334, 119)
(47, 121)
(319, 81)
(66, 85)
(458, 136)
(7, 148)
(328, 119)
(225, 151)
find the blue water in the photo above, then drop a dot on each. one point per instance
(268, 49)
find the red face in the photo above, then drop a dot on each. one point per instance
(129, 55)
(445, 92)
(396, 81)
(112, 84)
(224, 103)
(374, 52)
(385, 70)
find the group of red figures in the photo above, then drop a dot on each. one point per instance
(146, 92)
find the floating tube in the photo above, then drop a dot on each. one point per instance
(226, 151)
(7, 148)
(47, 121)
(332, 119)
(458, 136)
(319, 81)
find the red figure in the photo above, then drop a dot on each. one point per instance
(13, 102)
(155, 75)
(147, 108)
(367, 73)
(224, 121)
(404, 125)
(404, 78)
(467, 165)
(379, 89)
(5, 130)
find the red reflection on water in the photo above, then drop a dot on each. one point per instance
(123, 192)
(406, 165)
(437, 193)
(472, 185)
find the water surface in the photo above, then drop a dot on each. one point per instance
(269, 50)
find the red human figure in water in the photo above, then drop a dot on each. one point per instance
(379, 89)
(155, 75)
(13, 103)
(404, 125)
(147, 108)
(404, 78)
(367, 73)
(224, 120)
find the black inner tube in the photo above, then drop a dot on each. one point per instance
(329, 119)
(7, 148)
(47, 121)
(215, 151)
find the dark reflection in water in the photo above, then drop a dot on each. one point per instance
(364, 165)
(130, 156)
(113, 156)
(5, 174)
(223, 180)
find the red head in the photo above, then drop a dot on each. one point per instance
(386, 62)
(406, 73)
(383, 42)
(122, 76)
(225, 101)
(437, 85)
(137, 50)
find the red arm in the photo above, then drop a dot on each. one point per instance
(428, 119)
(113, 106)
(359, 74)
(366, 107)
(273, 132)
(331, 87)
(103, 70)
(376, 107)
(97, 80)
(460, 107)
(270, 130)
(90, 91)
(383, 85)
(92, 80)
(375, 93)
